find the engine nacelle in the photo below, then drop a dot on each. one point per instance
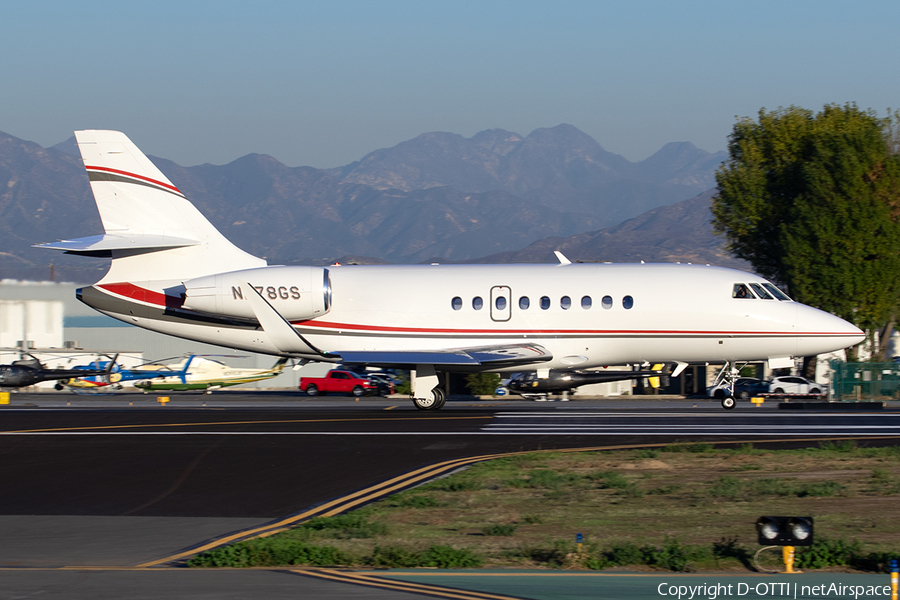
(297, 293)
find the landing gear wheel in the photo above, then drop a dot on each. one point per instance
(434, 402)
(440, 398)
(728, 403)
(311, 390)
(424, 403)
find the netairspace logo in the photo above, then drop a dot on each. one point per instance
(771, 590)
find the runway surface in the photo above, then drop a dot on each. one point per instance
(123, 481)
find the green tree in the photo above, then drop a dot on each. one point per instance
(482, 384)
(812, 201)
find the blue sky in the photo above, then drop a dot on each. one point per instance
(323, 83)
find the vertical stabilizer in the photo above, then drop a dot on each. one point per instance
(152, 231)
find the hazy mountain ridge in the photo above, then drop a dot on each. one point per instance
(560, 167)
(681, 232)
(450, 198)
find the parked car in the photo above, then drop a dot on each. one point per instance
(339, 381)
(794, 385)
(744, 388)
(384, 382)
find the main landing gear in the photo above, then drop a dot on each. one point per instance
(426, 389)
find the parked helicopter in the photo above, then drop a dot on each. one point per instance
(529, 384)
(201, 373)
(29, 371)
(88, 382)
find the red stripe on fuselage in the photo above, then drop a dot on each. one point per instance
(129, 290)
(351, 328)
(134, 292)
(168, 186)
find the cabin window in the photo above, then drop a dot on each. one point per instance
(761, 292)
(740, 290)
(524, 302)
(500, 303)
(586, 302)
(606, 302)
(456, 303)
(477, 303)
(627, 302)
(565, 302)
(776, 292)
(545, 302)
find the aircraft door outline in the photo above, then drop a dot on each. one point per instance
(501, 303)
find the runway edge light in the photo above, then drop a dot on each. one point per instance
(785, 531)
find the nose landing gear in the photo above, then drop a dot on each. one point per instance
(726, 378)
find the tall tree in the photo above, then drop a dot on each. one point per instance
(812, 201)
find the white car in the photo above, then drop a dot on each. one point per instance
(794, 385)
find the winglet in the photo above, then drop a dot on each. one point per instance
(562, 258)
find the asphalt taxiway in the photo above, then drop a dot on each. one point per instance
(118, 488)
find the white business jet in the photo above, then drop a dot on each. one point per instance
(174, 273)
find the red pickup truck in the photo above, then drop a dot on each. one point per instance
(342, 382)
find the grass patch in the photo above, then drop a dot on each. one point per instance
(524, 511)
(505, 530)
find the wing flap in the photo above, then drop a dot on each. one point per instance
(496, 357)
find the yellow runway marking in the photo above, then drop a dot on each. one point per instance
(153, 425)
(424, 573)
(404, 586)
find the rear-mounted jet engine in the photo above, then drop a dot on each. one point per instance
(297, 293)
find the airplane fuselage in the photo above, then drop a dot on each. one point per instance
(585, 315)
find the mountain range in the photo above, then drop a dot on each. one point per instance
(437, 197)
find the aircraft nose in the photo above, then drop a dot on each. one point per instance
(821, 332)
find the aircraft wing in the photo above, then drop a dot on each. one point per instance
(288, 341)
(497, 357)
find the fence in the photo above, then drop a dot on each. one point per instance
(855, 382)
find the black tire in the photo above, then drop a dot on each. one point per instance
(424, 403)
(743, 395)
(719, 394)
(358, 391)
(728, 403)
(815, 391)
(778, 391)
(441, 398)
(311, 390)
(436, 402)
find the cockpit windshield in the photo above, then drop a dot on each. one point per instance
(776, 292)
(761, 292)
(765, 291)
(741, 291)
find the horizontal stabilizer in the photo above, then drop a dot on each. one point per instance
(485, 356)
(97, 244)
(151, 231)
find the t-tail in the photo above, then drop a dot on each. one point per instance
(151, 231)
(173, 272)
